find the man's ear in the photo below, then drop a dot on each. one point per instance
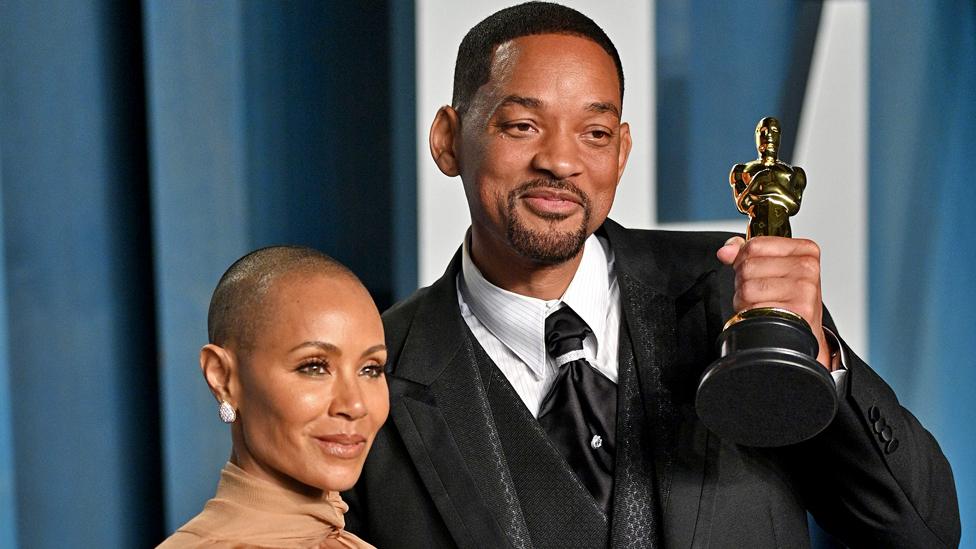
(219, 367)
(443, 131)
(625, 145)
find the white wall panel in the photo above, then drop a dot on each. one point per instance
(832, 148)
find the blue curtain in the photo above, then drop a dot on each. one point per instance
(143, 147)
(721, 67)
(923, 221)
(8, 503)
(78, 288)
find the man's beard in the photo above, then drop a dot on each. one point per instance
(549, 246)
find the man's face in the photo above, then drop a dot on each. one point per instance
(541, 148)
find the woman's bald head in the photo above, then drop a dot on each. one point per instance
(236, 309)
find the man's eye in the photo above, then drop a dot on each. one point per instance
(315, 368)
(518, 128)
(372, 370)
(601, 136)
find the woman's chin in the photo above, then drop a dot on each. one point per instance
(339, 478)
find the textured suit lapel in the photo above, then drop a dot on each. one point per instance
(650, 322)
(636, 516)
(446, 425)
(649, 314)
(678, 443)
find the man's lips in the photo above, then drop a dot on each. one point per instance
(341, 445)
(551, 201)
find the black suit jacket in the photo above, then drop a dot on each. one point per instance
(435, 477)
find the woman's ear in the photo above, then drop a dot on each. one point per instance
(443, 132)
(219, 367)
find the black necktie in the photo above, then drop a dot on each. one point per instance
(580, 411)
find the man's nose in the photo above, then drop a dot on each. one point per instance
(559, 155)
(347, 398)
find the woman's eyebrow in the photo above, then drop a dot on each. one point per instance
(323, 345)
(374, 349)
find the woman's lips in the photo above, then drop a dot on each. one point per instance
(342, 445)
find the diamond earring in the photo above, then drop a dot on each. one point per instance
(227, 412)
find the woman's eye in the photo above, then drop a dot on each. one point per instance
(314, 368)
(372, 370)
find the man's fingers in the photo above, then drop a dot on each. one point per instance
(778, 272)
(728, 252)
(805, 267)
(801, 297)
(776, 246)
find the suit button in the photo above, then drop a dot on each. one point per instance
(874, 414)
(892, 446)
(880, 425)
(886, 434)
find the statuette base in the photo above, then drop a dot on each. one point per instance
(766, 396)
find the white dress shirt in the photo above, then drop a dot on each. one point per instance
(512, 328)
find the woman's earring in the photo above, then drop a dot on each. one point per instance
(227, 412)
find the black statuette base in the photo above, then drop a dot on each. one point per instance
(763, 395)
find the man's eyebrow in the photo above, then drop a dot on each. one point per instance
(601, 107)
(527, 102)
(534, 103)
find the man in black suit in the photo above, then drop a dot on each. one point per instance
(496, 443)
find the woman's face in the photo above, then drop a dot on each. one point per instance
(312, 392)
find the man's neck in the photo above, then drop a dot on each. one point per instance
(515, 273)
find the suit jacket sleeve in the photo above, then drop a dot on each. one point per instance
(875, 477)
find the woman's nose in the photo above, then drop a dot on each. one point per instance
(347, 398)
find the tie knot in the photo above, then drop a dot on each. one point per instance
(565, 331)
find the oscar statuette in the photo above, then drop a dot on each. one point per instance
(767, 388)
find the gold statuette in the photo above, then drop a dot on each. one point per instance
(767, 189)
(766, 388)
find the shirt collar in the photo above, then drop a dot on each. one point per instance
(519, 321)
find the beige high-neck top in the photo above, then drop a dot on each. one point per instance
(251, 512)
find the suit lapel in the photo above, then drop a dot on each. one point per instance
(649, 308)
(649, 315)
(446, 425)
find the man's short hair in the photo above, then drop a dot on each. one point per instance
(237, 305)
(473, 66)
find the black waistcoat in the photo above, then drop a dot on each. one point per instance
(557, 509)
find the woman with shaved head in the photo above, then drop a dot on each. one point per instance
(295, 361)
